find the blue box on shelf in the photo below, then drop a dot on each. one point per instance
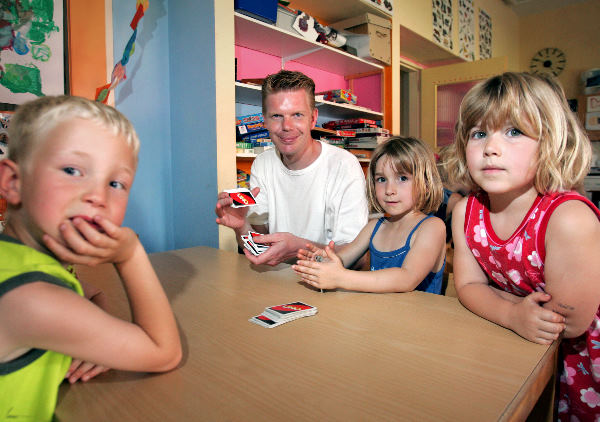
(264, 10)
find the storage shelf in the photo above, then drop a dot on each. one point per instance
(251, 95)
(347, 111)
(331, 12)
(269, 39)
(252, 156)
(248, 94)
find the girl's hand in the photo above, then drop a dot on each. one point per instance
(84, 371)
(322, 275)
(312, 252)
(84, 244)
(535, 323)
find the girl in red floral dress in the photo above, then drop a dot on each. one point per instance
(527, 246)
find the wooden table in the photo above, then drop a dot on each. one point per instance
(410, 356)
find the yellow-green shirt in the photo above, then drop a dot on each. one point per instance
(29, 384)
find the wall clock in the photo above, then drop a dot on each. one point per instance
(548, 61)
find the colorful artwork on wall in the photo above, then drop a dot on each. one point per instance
(442, 22)
(119, 73)
(31, 50)
(485, 35)
(466, 30)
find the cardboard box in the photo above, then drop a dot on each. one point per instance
(264, 10)
(369, 35)
(285, 18)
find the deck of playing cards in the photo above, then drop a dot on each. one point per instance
(254, 247)
(241, 197)
(280, 314)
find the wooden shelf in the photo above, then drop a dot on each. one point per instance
(251, 95)
(347, 111)
(250, 157)
(248, 94)
(269, 39)
(331, 12)
(419, 49)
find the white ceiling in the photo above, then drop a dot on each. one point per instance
(530, 7)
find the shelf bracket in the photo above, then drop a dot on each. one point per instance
(298, 55)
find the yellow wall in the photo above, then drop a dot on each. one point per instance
(575, 30)
(416, 15)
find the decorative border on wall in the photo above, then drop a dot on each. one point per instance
(485, 35)
(466, 30)
(442, 22)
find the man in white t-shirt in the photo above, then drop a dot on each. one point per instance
(306, 190)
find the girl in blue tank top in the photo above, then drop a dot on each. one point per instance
(407, 246)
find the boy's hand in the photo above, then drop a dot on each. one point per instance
(322, 275)
(535, 323)
(83, 371)
(234, 218)
(84, 244)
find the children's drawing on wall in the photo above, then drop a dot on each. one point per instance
(466, 29)
(4, 119)
(442, 22)
(485, 35)
(31, 50)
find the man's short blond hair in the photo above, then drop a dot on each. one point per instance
(287, 80)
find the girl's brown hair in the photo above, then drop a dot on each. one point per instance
(409, 156)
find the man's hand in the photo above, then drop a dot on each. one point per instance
(234, 218)
(87, 244)
(282, 246)
(535, 323)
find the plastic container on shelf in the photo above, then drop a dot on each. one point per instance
(264, 10)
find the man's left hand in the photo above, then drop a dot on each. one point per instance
(283, 246)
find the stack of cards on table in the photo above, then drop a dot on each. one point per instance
(251, 245)
(280, 314)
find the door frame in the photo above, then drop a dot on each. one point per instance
(433, 77)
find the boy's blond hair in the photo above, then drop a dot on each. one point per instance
(409, 156)
(34, 120)
(535, 105)
(287, 80)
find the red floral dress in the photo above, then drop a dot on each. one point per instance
(516, 265)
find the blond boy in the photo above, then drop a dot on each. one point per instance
(67, 181)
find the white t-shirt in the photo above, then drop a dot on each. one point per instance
(322, 202)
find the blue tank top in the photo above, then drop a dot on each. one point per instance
(380, 260)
